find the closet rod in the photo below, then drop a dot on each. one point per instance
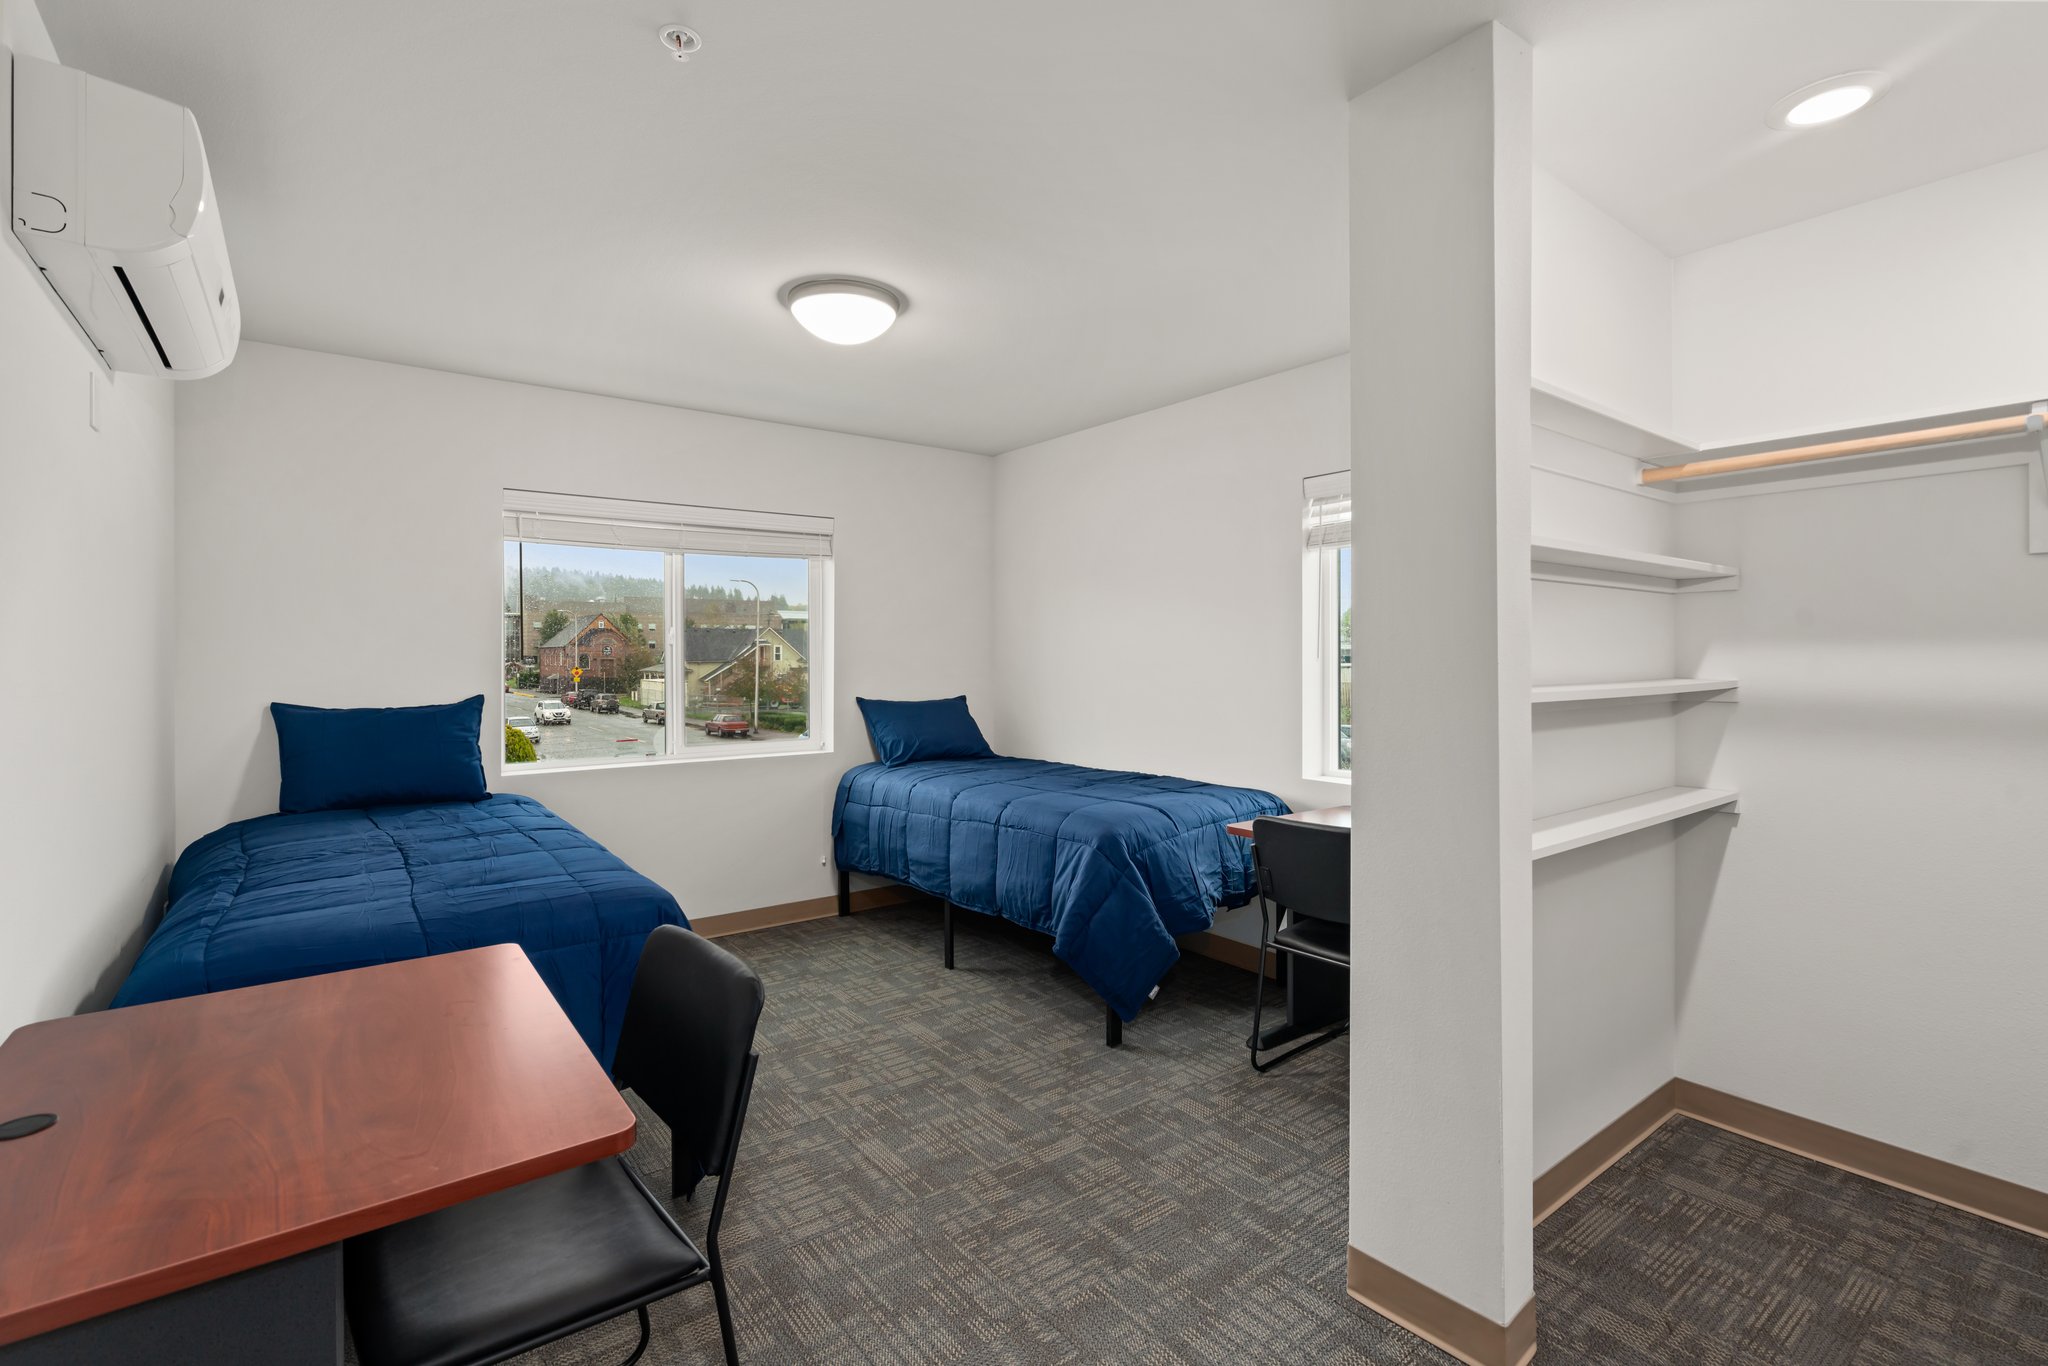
(1862, 445)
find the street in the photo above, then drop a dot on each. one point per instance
(593, 736)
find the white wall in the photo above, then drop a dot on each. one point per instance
(1148, 588)
(1600, 307)
(1863, 947)
(85, 552)
(324, 500)
(1927, 301)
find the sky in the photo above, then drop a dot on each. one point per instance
(775, 574)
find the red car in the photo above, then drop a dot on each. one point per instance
(729, 723)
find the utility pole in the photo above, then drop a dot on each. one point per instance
(757, 653)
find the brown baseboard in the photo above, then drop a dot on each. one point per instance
(1224, 949)
(1469, 1336)
(1992, 1197)
(1205, 943)
(1604, 1149)
(1974, 1192)
(794, 912)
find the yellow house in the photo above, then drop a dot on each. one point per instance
(781, 648)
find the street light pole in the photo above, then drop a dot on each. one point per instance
(757, 652)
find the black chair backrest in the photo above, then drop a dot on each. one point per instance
(1306, 868)
(687, 1045)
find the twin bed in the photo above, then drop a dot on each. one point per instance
(376, 857)
(1111, 865)
(288, 896)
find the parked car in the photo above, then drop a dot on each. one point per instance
(654, 714)
(570, 699)
(552, 714)
(604, 702)
(525, 725)
(731, 723)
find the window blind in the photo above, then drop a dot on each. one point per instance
(1326, 510)
(628, 524)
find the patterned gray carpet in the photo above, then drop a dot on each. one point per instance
(949, 1167)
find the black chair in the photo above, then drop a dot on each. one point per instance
(1304, 909)
(486, 1280)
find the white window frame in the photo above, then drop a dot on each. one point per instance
(692, 531)
(1321, 596)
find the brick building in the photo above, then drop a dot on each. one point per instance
(592, 644)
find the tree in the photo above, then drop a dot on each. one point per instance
(639, 659)
(736, 683)
(552, 625)
(629, 627)
(790, 688)
(518, 749)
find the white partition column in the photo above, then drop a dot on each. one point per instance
(1441, 1063)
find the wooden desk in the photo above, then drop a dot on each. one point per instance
(1318, 995)
(224, 1145)
(1339, 816)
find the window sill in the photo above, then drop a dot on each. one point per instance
(1340, 779)
(662, 761)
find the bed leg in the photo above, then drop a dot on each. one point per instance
(949, 936)
(845, 892)
(1113, 1029)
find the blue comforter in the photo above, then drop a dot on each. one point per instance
(1111, 865)
(290, 896)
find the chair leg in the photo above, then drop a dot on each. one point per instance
(732, 1350)
(646, 1332)
(1113, 1028)
(1259, 990)
(949, 935)
(1333, 1032)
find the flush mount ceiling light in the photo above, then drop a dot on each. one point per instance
(1837, 97)
(842, 310)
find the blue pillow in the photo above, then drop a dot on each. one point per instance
(333, 757)
(907, 732)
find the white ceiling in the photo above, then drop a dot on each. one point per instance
(1657, 113)
(1095, 206)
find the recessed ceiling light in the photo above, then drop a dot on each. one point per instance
(1837, 97)
(843, 311)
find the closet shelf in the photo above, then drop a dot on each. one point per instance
(1547, 556)
(1558, 410)
(1591, 824)
(1649, 687)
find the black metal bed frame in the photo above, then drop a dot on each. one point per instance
(1113, 1025)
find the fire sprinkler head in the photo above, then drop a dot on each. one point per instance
(681, 41)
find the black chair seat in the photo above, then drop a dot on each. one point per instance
(1322, 938)
(481, 1281)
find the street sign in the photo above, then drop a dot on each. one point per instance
(576, 675)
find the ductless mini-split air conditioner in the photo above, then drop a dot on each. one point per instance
(113, 201)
